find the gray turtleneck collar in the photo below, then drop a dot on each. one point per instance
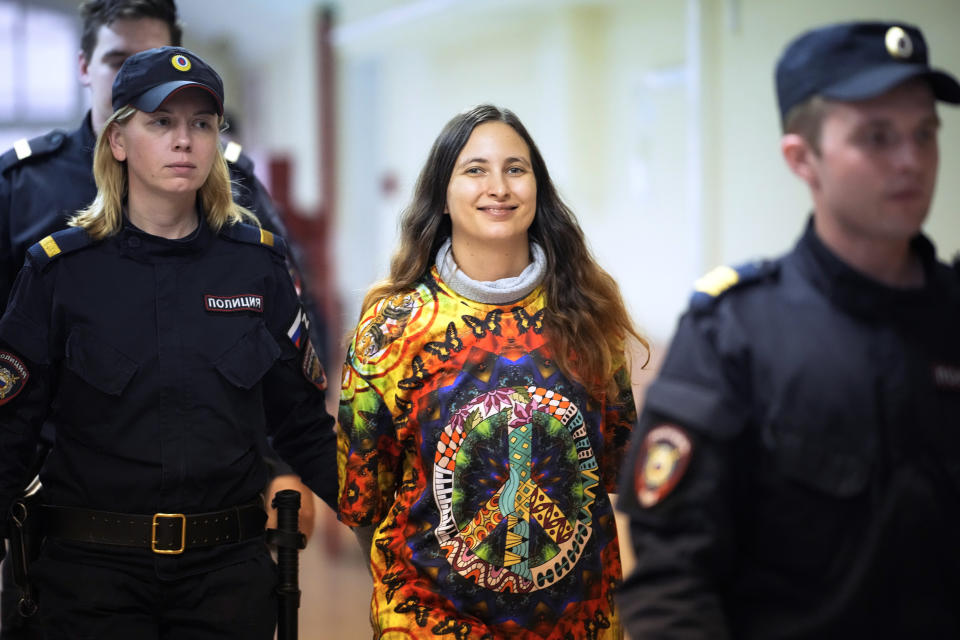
(495, 291)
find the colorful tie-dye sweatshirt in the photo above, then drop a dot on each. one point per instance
(485, 470)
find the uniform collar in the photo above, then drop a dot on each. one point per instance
(85, 136)
(145, 247)
(85, 133)
(858, 293)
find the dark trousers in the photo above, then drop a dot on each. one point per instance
(82, 602)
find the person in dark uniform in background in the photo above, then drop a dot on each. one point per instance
(796, 470)
(160, 336)
(45, 180)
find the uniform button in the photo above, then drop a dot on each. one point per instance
(133, 243)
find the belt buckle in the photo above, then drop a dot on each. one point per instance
(183, 533)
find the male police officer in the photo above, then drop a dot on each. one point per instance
(45, 180)
(797, 469)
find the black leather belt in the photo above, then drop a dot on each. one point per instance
(162, 533)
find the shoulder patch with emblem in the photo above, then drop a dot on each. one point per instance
(251, 234)
(32, 148)
(720, 280)
(13, 376)
(664, 457)
(59, 244)
(299, 334)
(313, 368)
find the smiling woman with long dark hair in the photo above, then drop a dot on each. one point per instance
(485, 404)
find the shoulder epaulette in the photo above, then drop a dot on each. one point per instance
(251, 234)
(721, 280)
(59, 244)
(33, 148)
(233, 154)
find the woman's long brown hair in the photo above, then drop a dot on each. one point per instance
(586, 318)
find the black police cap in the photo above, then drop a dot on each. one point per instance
(149, 77)
(857, 61)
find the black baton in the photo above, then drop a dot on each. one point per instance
(289, 541)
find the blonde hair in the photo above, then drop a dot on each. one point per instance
(104, 216)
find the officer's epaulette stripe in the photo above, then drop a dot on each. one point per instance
(255, 235)
(231, 152)
(266, 237)
(237, 160)
(59, 244)
(717, 280)
(50, 246)
(23, 149)
(720, 280)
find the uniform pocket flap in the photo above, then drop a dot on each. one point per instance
(249, 359)
(695, 406)
(818, 465)
(98, 362)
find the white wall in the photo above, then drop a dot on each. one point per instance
(419, 77)
(669, 173)
(762, 206)
(266, 53)
(571, 76)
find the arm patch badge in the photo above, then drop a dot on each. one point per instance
(13, 376)
(298, 328)
(664, 457)
(312, 368)
(299, 335)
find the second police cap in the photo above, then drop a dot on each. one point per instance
(149, 77)
(856, 61)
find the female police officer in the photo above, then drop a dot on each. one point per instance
(159, 336)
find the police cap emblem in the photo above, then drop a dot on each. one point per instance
(899, 44)
(181, 62)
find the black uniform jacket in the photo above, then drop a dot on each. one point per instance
(161, 366)
(821, 497)
(41, 191)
